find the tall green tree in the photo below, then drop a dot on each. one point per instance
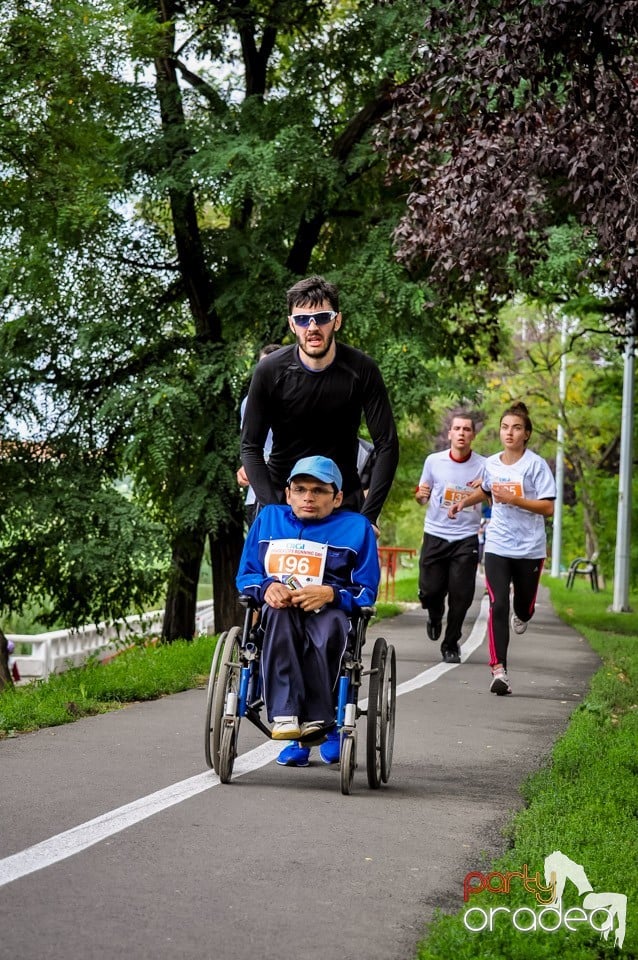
(169, 169)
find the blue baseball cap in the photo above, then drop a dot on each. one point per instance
(321, 468)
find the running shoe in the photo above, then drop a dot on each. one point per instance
(433, 629)
(451, 656)
(518, 626)
(500, 682)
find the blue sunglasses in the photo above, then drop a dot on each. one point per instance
(321, 318)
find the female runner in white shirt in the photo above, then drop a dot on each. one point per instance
(523, 491)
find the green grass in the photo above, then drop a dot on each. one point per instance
(583, 803)
(141, 673)
(405, 591)
(405, 584)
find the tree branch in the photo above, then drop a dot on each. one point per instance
(199, 84)
(309, 227)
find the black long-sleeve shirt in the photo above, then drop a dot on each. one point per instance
(318, 412)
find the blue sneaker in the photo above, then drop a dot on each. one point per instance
(329, 749)
(294, 755)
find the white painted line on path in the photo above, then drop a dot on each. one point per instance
(79, 838)
(472, 643)
(87, 834)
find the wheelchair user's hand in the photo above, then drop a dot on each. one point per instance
(313, 597)
(278, 595)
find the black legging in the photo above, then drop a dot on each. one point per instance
(524, 575)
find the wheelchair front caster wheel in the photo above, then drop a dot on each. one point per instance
(348, 760)
(227, 752)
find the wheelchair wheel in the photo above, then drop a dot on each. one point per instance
(227, 683)
(348, 762)
(389, 701)
(208, 730)
(375, 713)
(227, 751)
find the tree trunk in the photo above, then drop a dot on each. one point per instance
(225, 551)
(188, 549)
(181, 596)
(6, 680)
(191, 256)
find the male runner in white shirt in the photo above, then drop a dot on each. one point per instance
(449, 554)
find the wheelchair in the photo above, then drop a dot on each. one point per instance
(234, 694)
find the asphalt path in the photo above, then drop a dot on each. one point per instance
(115, 840)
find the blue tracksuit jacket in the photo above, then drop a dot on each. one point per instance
(352, 562)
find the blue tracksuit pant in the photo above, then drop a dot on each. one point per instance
(301, 661)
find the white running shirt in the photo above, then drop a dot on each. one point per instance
(512, 531)
(449, 481)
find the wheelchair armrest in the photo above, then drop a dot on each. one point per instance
(248, 602)
(366, 613)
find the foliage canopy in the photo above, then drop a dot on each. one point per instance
(522, 117)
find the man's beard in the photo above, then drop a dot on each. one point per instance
(317, 356)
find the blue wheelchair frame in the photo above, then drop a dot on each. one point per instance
(235, 693)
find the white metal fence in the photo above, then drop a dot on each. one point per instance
(56, 651)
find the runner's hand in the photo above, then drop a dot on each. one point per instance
(423, 493)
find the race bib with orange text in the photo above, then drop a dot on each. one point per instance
(514, 487)
(453, 493)
(302, 562)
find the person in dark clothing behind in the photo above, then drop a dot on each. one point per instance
(251, 504)
(313, 395)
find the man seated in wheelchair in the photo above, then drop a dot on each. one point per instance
(312, 566)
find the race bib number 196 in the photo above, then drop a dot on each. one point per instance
(304, 560)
